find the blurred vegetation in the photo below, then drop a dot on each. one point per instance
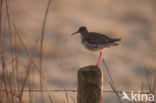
(132, 20)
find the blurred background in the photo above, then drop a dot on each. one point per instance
(132, 20)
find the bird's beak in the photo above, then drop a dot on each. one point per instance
(75, 33)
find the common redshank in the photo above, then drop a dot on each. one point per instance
(96, 41)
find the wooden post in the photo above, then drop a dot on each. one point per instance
(90, 85)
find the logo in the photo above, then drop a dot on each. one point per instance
(137, 96)
(125, 96)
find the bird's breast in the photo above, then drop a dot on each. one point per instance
(89, 46)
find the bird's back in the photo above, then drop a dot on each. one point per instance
(98, 38)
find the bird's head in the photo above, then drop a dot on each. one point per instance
(81, 29)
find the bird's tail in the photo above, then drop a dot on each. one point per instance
(116, 40)
(112, 45)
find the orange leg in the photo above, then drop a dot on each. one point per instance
(99, 58)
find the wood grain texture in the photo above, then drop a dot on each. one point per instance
(90, 85)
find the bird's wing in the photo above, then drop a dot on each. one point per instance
(95, 38)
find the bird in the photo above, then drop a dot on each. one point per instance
(94, 41)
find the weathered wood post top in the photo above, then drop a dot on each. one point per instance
(90, 85)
